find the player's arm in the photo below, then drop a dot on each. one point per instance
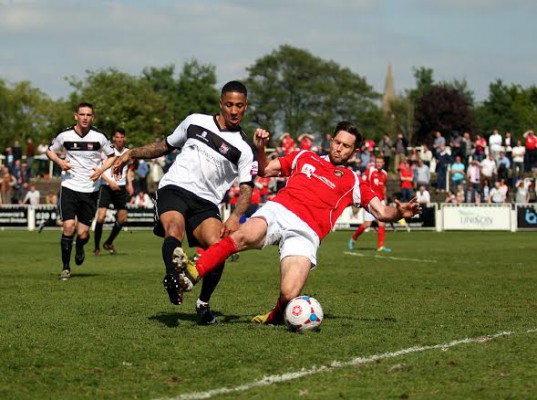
(386, 213)
(243, 202)
(129, 187)
(149, 151)
(266, 168)
(63, 164)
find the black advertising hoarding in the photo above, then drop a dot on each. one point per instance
(526, 216)
(14, 216)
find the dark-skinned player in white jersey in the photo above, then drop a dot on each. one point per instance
(81, 170)
(214, 152)
(319, 188)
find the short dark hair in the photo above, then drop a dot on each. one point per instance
(119, 130)
(84, 104)
(352, 129)
(234, 86)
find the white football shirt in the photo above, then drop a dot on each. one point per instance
(210, 158)
(110, 174)
(84, 155)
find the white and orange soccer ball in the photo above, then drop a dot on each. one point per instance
(303, 313)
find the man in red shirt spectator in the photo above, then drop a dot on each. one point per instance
(287, 143)
(306, 141)
(531, 150)
(407, 177)
(376, 177)
(300, 215)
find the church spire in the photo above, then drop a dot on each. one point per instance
(389, 91)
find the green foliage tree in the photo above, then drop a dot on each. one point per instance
(508, 108)
(292, 90)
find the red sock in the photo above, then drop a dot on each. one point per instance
(276, 314)
(381, 235)
(215, 255)
(358, 232)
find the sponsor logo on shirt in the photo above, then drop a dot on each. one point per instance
(203, 136)
(224, 148)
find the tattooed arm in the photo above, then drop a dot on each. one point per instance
(149, 151)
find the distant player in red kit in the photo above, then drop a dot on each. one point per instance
(319, 188)
(376, 177)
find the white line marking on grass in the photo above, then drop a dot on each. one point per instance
(390, 257)
(271, 379)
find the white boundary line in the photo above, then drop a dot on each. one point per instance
(271, 379)
(390, 257)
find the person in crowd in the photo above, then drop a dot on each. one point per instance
(142, 200)
(426, 155)
(443, 159)
(485, 189)
(30, 155)
(473, 174)
(467, 147)
(17, 150)
(9, 158)
(84, 146)
(480, 145)
(471, 194)
(51, 198)
(423, 196)
(531, 150)
(522, 195)
(456, 146)
(300, 216)
(399, 150)
(287, 143)
(457, 173)
(142, 170)
(439, 143)
(325, 144)
(518, 153)
(306, 141)
(406, 176)
(214, 152)
(508, 144)
(113, 193)
(386, 148)
(32, 196)
(495, 144)
(42, 159)
(496, 195)
(489, 168)
(423, 174)
(504, 166)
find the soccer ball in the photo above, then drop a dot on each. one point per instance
(303, 313)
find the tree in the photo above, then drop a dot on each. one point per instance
(442, 108)
(292, 90)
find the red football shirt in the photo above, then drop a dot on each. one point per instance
(377, 180)
(318, 191)
(531, 142)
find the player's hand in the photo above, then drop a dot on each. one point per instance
(97, 172)
(230, 226)
(121, 161)
(409, 209)
(65, 165)
(261, 138)
(130, 190)
(114, 186)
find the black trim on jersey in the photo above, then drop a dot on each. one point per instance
(72, 128)
(215, 142)
(82, 146)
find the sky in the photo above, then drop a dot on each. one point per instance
(45, 41)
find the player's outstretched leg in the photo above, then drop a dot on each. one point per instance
(171, 280)
(273, 317)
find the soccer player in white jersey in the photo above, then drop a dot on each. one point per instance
(319, 188)
(116, 193)
(214, 152)
(82, 168)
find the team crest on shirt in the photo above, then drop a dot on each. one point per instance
(224, 148)
(90, 146)
(338, 173)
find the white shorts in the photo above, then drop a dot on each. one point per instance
(293, 235)
(368, 217)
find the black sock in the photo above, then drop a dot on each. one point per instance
(115, 231)
(98, 234)
(66, 246)
(168, 246)
(81, 242)
(210, 281)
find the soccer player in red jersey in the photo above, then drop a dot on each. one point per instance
(319, 188)
(376, 177)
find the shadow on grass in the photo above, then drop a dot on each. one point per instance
(173, 319)
(77, 275)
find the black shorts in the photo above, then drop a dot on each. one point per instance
(194, 209)
(118, 198)
(81, 205)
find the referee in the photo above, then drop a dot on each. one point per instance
(116, 193)
(81, 170)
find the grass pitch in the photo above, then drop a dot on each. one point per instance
(111, 333)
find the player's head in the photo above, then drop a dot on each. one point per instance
(84, 116)
(379, 162)
(233, 104)
(344, 142)
(119, 138)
